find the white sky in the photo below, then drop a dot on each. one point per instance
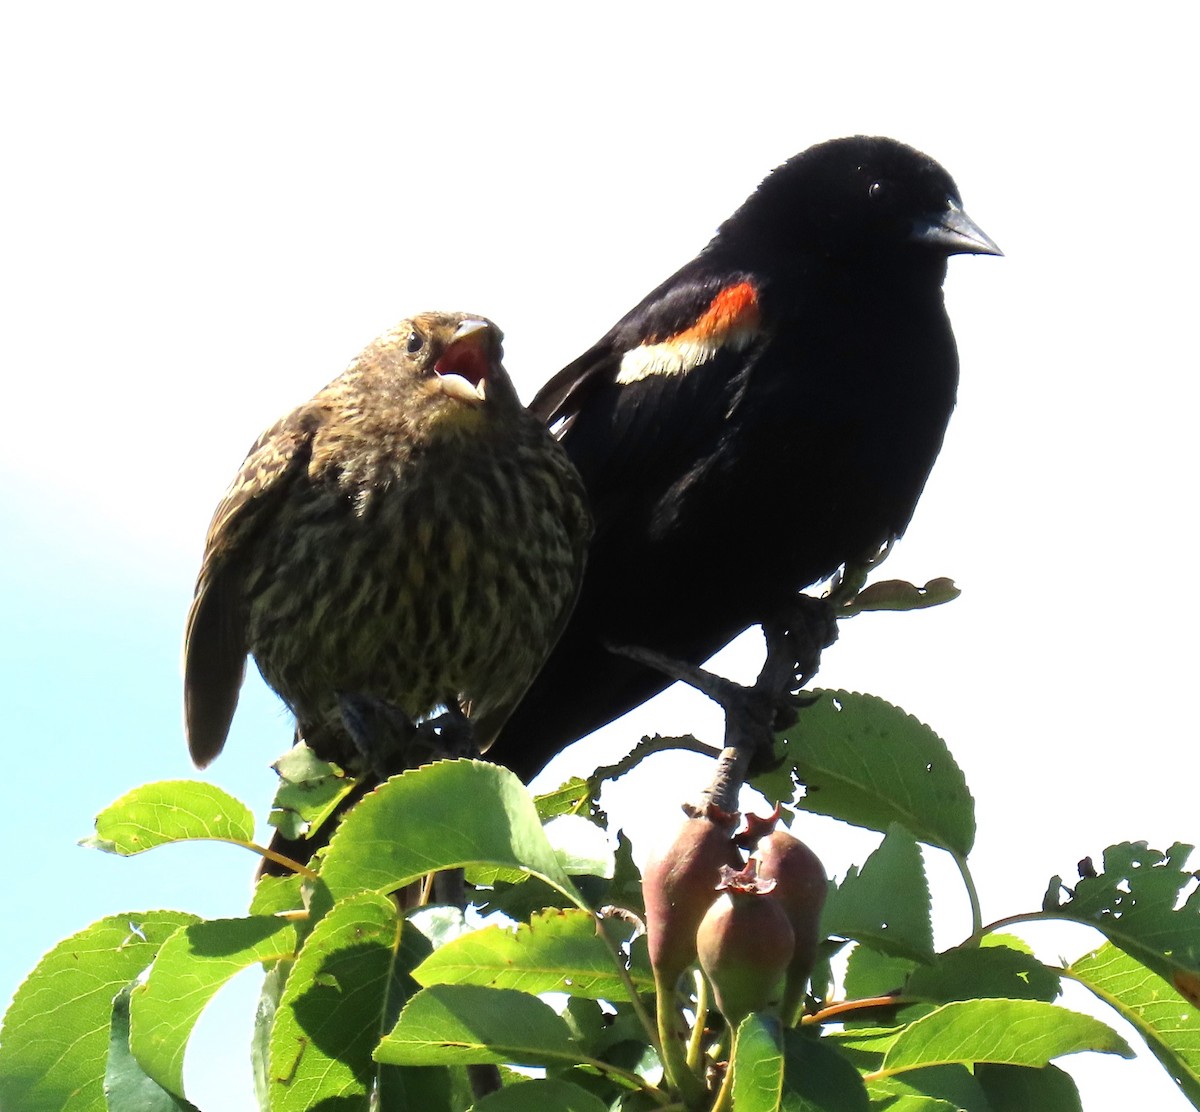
(209, 209)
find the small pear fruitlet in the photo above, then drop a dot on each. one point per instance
(800, 888)
(745, 944)
(679, 884)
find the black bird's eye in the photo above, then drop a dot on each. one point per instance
(415, 342)
(879, 191)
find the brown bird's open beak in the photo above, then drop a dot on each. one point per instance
(464, 366)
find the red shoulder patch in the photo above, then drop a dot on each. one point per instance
(731, 321)
(735, 307)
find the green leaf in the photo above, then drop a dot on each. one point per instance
(1137, 903)
(626, 887)
(1168, 1021)
(411, 826)
(583, 847)
(887, 904)
(192, 965)
(55, 1037)
(869, 763)
(465, 1024)
(913, 1102)
(126, 1086)
(757, 1064)
(171, 811)
(548, 1095)
(557, 951)
(348, 984)
(864, 1046)
(1009, 1032)
(517, 901)
(870, 973)
(597, 1031)
(309, 792)
(817, 1078)
(429, 1088)
(1017, 1089)
(572, 797)
(264, 1020)
(944, 1088)
(273, 894)
(491, 877)
(1008, 941)
(985, 971)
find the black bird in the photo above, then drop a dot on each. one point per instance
(411, 536)
(766, 415)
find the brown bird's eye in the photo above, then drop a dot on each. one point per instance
(415, 342)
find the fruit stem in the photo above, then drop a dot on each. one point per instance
(695, 1053)
(675, 1064)
(724, 1101)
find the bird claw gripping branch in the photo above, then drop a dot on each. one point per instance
(390, 742)
(754, 714)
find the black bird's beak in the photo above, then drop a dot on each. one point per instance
(464, 366)
(953, 232)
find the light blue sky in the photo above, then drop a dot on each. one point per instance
(209, 209)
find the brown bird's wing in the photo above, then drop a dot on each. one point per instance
(214, 645)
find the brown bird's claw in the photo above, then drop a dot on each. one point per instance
(449, 735)
(390, 742)
(383, 734)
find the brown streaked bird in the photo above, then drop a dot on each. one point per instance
(411, 535)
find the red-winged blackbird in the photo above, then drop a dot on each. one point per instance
(411, 535)
(766, 415)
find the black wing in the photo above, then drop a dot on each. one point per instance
(643, 432)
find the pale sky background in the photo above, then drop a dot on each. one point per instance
(208, 209)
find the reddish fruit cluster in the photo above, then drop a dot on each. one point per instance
(679, 884)
(753, 924)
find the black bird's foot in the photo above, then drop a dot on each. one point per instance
(795, 638)
(717, 688)
(750, 712)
